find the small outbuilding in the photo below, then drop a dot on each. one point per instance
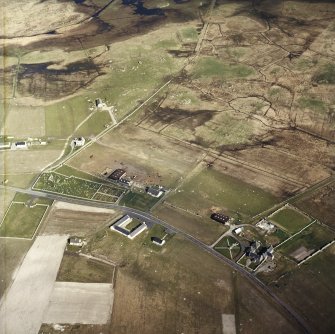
(98, 103)
(238, 230)
(157, 241)
(21, 145)
(75, 241)
(78, 142)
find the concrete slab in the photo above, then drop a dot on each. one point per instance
(80, 303)
(228, 324)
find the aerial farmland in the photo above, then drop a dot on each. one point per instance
(167, 167)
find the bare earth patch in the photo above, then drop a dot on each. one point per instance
(301, 253)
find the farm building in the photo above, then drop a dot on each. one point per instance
(219, 217)
(99, 103)
(75, 241)
(257, 253)
(266, 226)
(21, 145)
(238, 230)
(155, 191)
(117, 174)
(157, 241)
(120, 226)
(78, 142)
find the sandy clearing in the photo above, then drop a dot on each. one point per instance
(22, 308)
(228, 324)
(81, 208)
(84, 303)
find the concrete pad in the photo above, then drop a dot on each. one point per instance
(80, 303)
(22, 308)
(228, 324)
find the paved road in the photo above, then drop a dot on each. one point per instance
(154, 220)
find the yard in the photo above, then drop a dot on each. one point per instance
(21, 221)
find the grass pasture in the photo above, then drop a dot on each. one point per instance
(310, 289)
(168, 282)
(211, 67)
(308, 241)
(21, 221)
(94, 125)
(211, 188)
(62, 118)
(290, 219)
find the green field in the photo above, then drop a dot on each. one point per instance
(75, 268)
(291, 220)
(212, 67)
(21, 221)
(312, 238)
(326, 75)
(140, 201)
(24, 198)
(94, 125)
(212, 188)
(18, 180)
(62, 118)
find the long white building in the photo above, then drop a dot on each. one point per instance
(120, 226)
